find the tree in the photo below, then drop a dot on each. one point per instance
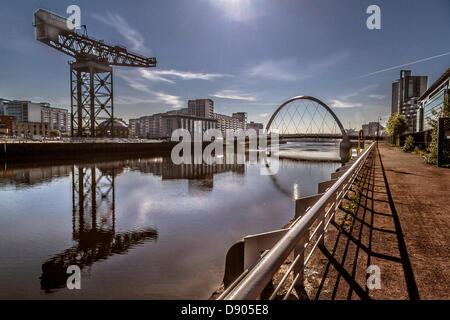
(54, 133)
(395, 126)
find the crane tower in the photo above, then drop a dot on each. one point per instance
(91, 74)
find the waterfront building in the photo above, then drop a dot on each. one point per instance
(431, 102)
(23, 111)
(203, 108)
(119, 129)
(2, 102)
(148, 127)
(242, 117)
(27, 111)
(28, 129)
(156, 126)
(255, 125)
(225, 122)
(171, 122)
(58, 118)
(6, 125)
(405, 94)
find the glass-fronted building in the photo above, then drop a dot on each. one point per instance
(432, 101)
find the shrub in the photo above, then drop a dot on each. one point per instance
(409, 144)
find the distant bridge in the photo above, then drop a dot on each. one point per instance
(316, 136)
(308, 117)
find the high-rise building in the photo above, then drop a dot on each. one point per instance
(201, 108)
(242, 117)
(23, 111)
(146, 127)
(57, 118)
(255, 125)
(225, 122)
(405, 94)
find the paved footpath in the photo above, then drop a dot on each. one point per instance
(401, 224)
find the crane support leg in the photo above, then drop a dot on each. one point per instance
(91, 99)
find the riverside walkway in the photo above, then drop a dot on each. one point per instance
(400, 222)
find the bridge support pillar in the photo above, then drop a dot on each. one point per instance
(344, 150)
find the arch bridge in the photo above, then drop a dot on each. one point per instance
(308, 117)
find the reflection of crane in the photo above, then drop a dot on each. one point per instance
(93, 200)
(91, 78)
(92, 246)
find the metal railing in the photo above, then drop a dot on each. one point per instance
(306, 232)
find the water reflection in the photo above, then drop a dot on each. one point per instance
(140, 228)
(93, 201)
(93, 223)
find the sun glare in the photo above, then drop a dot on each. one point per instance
(239, 10)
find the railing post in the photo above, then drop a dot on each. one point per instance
(321, 231)
(299, 267)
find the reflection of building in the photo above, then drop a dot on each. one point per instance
(255, 125)
(33, 176)
(432, 101)
(119, 129)
(405, 93)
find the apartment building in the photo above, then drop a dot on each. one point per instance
(203, 108)
(405, 95)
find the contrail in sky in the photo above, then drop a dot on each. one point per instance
(404, 65)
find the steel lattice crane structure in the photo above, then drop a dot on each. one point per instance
(91, 74)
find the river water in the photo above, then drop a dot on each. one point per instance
(140, 228)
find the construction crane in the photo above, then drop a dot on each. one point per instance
(91, 74)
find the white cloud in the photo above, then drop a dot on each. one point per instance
(280, 69)
(232, 94)
(138, 83)
(350, 95)
(376, 96)
(344, 104)
(263, 115)
(161, 75)
(117, 22)
(173, 101)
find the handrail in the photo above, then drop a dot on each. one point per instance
(252, 284)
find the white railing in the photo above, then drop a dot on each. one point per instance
(302, 238)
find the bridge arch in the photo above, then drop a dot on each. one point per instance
(322, 104)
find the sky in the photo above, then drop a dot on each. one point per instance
(247, 55)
